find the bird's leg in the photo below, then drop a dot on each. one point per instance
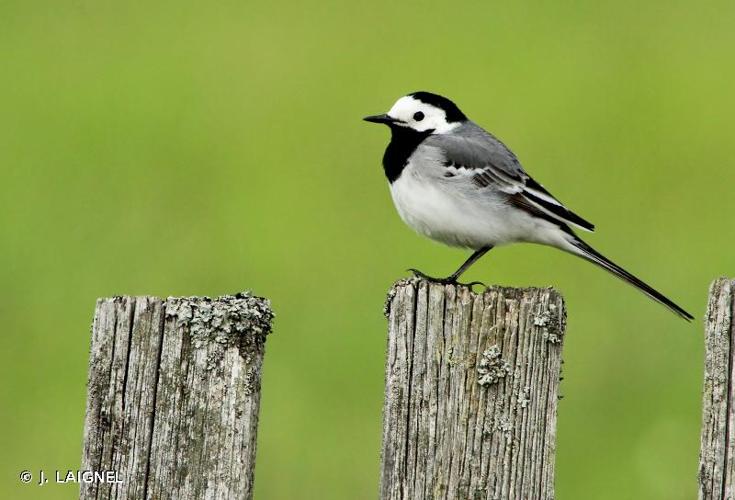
(471, 260)
(451, 279)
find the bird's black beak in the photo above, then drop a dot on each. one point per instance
(384, 118)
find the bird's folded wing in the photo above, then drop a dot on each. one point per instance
(488, 164)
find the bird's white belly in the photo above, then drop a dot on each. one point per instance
(449, 216)
(467, 219)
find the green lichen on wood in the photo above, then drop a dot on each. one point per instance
(243, 320)
(491, 367)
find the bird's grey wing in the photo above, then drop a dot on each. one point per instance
(486, 162)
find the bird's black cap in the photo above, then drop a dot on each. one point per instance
(454, 114)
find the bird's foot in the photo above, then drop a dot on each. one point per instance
(449, 280)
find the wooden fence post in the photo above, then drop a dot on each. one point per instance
(173, 397)
(717, 448)
(472, 384)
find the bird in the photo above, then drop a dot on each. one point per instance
(456, 183)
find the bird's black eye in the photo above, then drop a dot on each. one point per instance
(418, 116)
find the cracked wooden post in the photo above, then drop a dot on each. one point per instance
(717, 448)
(471, 392)
(173, 397)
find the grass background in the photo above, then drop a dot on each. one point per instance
(175, 148)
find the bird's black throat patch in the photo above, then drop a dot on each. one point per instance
(403, 142)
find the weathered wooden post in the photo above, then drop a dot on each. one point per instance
(717, 448)
(472, 385)
(173, 397)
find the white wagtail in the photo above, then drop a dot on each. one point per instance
(458, 184)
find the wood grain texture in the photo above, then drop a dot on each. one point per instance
(173, 396)
(717, 446)
(471, 393)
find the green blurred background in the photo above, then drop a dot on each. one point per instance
(175, 148)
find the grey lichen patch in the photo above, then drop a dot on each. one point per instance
(242, 320)
(491, 367)
(550, 323)
(524, 397)
(542, 319)
(504, 426)
(252, 381)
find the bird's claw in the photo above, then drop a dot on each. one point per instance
(419, 274)
(450, 280)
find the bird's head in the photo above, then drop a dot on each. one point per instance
(422, 112)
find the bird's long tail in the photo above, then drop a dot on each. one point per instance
(584, 250)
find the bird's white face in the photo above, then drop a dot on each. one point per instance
(410, 112)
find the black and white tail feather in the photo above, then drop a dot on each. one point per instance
(544, 205)
(587, 252)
